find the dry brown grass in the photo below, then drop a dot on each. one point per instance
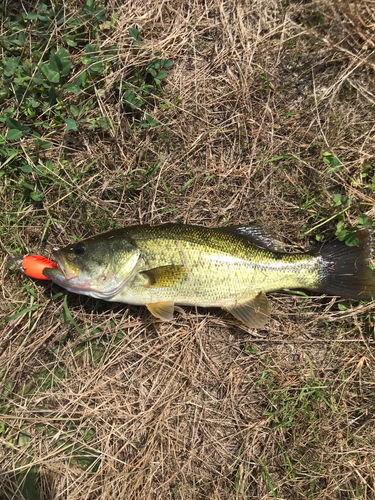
(201, 408)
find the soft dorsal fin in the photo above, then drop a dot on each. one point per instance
(254, 313)
(259, 236)
(164, 276)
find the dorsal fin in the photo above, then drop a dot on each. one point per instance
(259, 236)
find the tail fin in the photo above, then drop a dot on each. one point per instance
(345, 270)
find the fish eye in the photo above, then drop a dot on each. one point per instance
(79, 248)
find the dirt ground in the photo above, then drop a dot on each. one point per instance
(267, 115)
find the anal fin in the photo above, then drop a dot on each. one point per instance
(254, 313)
(162, 310)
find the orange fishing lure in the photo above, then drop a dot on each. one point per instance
(34, 265)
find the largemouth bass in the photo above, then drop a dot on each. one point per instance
(170, 265)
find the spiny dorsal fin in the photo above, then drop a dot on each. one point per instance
(164, 276)
(162, 310)
(259, 236)
(254, 313)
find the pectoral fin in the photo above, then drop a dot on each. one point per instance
(164, 276)
(162, 310)
(254, 313)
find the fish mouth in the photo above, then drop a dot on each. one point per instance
(66, 270)
(59, 277)
(53, 273)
